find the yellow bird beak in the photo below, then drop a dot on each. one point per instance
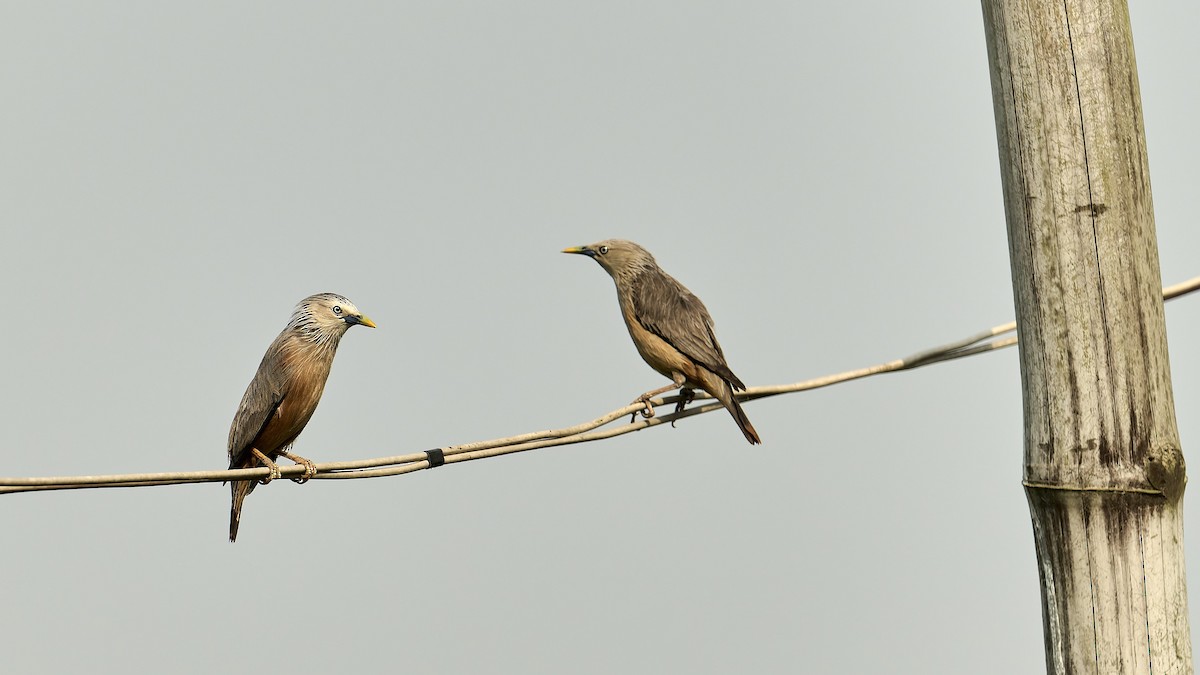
(361, 320)
(580, 249)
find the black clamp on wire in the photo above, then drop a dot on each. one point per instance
(435, 457)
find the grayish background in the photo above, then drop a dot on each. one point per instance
(174, 177)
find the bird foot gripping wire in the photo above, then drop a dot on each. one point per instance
(686, 396)
(647, 410)
(310, 469)
(269, 464)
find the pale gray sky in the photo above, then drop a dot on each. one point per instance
(174, 177)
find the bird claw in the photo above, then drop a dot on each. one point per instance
(686, 396)
(310, 470)
(647, 410)
(271, 476)
(271, 466)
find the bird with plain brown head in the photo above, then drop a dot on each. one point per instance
(285, 391)
(670, 327)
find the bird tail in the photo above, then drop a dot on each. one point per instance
(724, 393)
(239, 488)
(743, 422)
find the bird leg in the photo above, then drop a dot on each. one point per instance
(267, 463)
(310, 469)
(648, 410)
(686, 396)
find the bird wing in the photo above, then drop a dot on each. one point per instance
(669, 310)
(258, 406)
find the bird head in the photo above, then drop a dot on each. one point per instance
(327, 315)
(616, 256)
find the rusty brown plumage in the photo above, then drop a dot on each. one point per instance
(285, 391)
(670, 327)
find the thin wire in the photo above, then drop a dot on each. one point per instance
(579, 433)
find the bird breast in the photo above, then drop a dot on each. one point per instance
(306, 371)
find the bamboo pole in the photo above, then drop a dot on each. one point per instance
(1103, 470)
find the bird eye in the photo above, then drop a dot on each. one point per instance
(337, 310)
(603, 250)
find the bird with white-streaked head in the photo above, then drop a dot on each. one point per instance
(285, 391)
(670, 327)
